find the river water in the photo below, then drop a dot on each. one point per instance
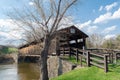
(21, 71)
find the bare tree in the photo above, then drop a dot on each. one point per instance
(95, 41)
(118, 42)
(110, 44)
(45, 16)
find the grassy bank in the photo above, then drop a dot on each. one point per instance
(92, 73)
(7, 50)
(8, 55)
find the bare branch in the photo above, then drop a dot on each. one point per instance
(41, 21)
(61, 16)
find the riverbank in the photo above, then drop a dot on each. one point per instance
(8, 58)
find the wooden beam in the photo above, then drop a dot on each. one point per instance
(88, 59)
(105, 63)
(77, 55)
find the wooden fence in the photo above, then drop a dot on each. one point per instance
(116, 56)
(89, 58)
(97, 60)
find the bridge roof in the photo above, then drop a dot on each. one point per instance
(72, 33)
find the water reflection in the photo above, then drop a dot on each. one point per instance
(28, 71)
(22, 71)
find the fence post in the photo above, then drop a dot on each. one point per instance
(112, 57)
(109, 57)
(88, 59)
(69, 52)
(115, 58)
(105, 63)
(77, 54)
(80, 60)
(63, 51)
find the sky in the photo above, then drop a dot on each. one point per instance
(91, 16)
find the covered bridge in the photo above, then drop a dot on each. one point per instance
(64, 39)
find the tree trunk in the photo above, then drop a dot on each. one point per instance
(43, 60)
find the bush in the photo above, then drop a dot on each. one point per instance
(7, 50)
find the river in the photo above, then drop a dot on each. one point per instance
(21, 71)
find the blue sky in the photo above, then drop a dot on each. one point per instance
(91, 16)
(99, 16)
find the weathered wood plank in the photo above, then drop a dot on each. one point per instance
(88, 59)
(95, 64)
(105, 63)
(98, 55)
(98, 60)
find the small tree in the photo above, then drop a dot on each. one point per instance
(118, 42)
(45, 16)
(109, 44)
(94, 41)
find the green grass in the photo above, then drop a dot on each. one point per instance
(12, 50)
(72, 59)
(92, 73)
(7, 50)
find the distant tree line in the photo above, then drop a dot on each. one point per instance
(8, 50)
(98, 41)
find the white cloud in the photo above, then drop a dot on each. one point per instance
(65, 22)
(116, 14)
(101, 8)
(109, 36)
(107, 16)
(13, 35)
(109, 7)
(6, 38)
(9, 31)
(91, 29)
(103, 18)
(4, 34)
(4, 22)
(31, 3)
(85, 24)
(109, 29)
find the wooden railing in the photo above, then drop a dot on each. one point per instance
(89, 58)
(97, 60)
(116, 56)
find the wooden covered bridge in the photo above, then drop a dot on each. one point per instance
(64, 40)
(72, 42)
